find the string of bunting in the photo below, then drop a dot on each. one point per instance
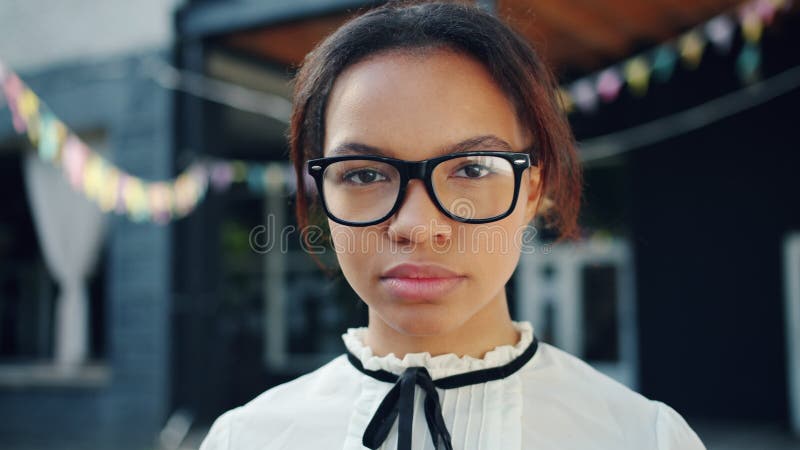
(658, 64)
(115, 190)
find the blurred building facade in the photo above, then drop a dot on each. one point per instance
(678, 290)
(82, 58)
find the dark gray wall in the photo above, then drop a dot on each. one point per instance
(706, 212)
(130, 409)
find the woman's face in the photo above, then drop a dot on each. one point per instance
(411, 106)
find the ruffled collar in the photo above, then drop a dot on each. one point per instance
(438, 366)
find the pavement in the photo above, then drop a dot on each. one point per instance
(745, 435)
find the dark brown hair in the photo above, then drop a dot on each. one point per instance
(463, 28)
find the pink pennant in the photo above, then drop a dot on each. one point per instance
(160, 202)
(609, 84)
(12, 87)
(766, 10)
(74, 161)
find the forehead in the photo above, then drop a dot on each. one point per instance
(413, 104)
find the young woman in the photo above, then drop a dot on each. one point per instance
(434, 135)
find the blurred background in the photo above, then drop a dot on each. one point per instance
(151, 275)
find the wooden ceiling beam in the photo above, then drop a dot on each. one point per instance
(558, 49)
(693, 12)
(561, 56)
(642, 20)
(287, 43)
(569, 34)
(572, 20)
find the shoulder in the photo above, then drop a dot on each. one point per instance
(672, 431)
(567, 370)
(587, 397)
(324, 386)
(310, 405)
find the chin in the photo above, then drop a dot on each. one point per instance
(422, 322)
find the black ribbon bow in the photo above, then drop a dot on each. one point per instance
(400, 400)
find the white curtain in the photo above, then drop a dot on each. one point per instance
(70, 230)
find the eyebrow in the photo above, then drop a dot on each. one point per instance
(485, 142)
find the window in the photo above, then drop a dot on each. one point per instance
(29, 293)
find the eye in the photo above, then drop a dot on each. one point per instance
(363, 176)
(472, 171)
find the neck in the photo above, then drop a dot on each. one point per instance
(488, 328)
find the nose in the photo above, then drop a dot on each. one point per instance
(418, 218)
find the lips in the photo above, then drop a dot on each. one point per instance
(420, 281)
(407, 270)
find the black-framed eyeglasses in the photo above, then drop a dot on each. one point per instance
(469, 187)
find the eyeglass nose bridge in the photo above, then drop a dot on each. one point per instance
(415, 169)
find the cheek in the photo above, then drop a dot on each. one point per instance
(494, 249)
(355, 248)
(344, 243)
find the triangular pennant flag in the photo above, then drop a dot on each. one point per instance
(766, 10)
(691, 46)
(185, 194)
(609, 84)
(239, 171)
(12, 87)
(112, 199)
(565, 100)
(752, 26)
(637, 74)
(199, 174)
(273, 178)
(73, 160)
(221, 175)
(664, 59)
(584, 95)
(255, 178)
(160, 199)
(51, 134)
(136, 200)
(28, 105)
(720, 32)
(748, 63)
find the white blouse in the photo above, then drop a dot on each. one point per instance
(530, 395)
